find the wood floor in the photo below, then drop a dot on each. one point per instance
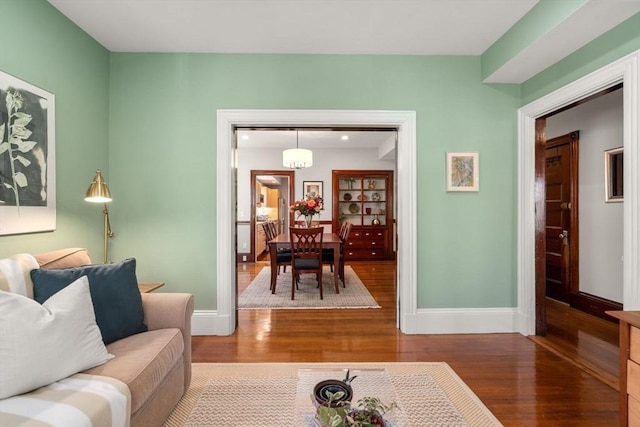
(522, 382)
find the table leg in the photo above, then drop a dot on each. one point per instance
(336, 267)
(274, 266)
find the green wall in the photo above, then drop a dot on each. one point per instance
(41, 46)
(163, 154)
(149, 121)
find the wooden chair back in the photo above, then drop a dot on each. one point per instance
(306, 242)
(306, 254)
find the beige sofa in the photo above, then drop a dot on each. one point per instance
(155, 365)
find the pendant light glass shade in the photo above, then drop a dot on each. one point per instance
(297, 158)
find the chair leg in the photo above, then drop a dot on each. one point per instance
(320, 283)
(294, 284)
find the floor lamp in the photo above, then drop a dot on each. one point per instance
(98, 192)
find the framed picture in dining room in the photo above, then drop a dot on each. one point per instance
(312, 188)
(463, 172)
(27, 157)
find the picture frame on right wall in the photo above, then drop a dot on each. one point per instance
(463, 172)
(613, 175)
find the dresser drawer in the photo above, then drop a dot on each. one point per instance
(633, 379)
(365, 254)
(365, 243)
(634, 344)
(367, 234)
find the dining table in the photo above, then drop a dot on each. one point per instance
(283, 241)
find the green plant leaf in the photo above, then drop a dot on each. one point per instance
(21, 179)
(22, 119)
(23, 160)
(25, 146)
(8, 186)
(20, 132)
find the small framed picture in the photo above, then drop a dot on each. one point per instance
(312, 188)
(613, 175)
(463, 172)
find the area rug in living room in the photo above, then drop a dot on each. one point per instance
(354, 295)
(278, 394)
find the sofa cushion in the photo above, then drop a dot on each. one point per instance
(15, 274)
(45, 343)
(143, 361)
(64, 258)
(114, 291)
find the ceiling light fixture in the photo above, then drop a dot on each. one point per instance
(297, 158)
(344, 137)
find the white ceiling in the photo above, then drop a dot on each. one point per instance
(413, 27)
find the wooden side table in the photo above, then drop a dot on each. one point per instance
(146, 287)
(629, 366)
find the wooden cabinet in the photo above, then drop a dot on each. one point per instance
(365, 199)
(261, 243)
(629, 366)
(273, 194)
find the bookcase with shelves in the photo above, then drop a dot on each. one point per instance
(364, 198)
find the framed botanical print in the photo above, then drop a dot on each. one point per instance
(27, 157)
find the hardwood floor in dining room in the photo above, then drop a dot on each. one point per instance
(521, 382)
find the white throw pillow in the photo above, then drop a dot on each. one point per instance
(40, 344)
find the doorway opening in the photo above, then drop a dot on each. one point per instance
(228, 121)
(581, 235)
(272, 191)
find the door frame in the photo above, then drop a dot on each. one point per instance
(531, 191)
(226, 164)
(291, 176)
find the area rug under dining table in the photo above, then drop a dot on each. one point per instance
(258, 295)
(278, 394)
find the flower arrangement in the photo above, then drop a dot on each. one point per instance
(309, 206)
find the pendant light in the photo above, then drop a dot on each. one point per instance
(297, 158)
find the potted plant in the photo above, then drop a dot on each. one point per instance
(368, 412)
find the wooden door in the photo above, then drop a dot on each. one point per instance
(561, 177)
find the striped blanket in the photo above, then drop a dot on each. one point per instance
(79, 400)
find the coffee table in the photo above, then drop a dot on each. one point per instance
(419, 398)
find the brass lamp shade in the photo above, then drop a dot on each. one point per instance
(98, 192)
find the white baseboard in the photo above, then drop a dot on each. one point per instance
(209, 322)
(462, 321)
(425, 321)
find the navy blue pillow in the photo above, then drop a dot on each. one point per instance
(114, 291)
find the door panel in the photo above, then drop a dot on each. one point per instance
(561, 177)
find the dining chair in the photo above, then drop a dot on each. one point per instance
(306, 255)
(283, 256)
(327, 254)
